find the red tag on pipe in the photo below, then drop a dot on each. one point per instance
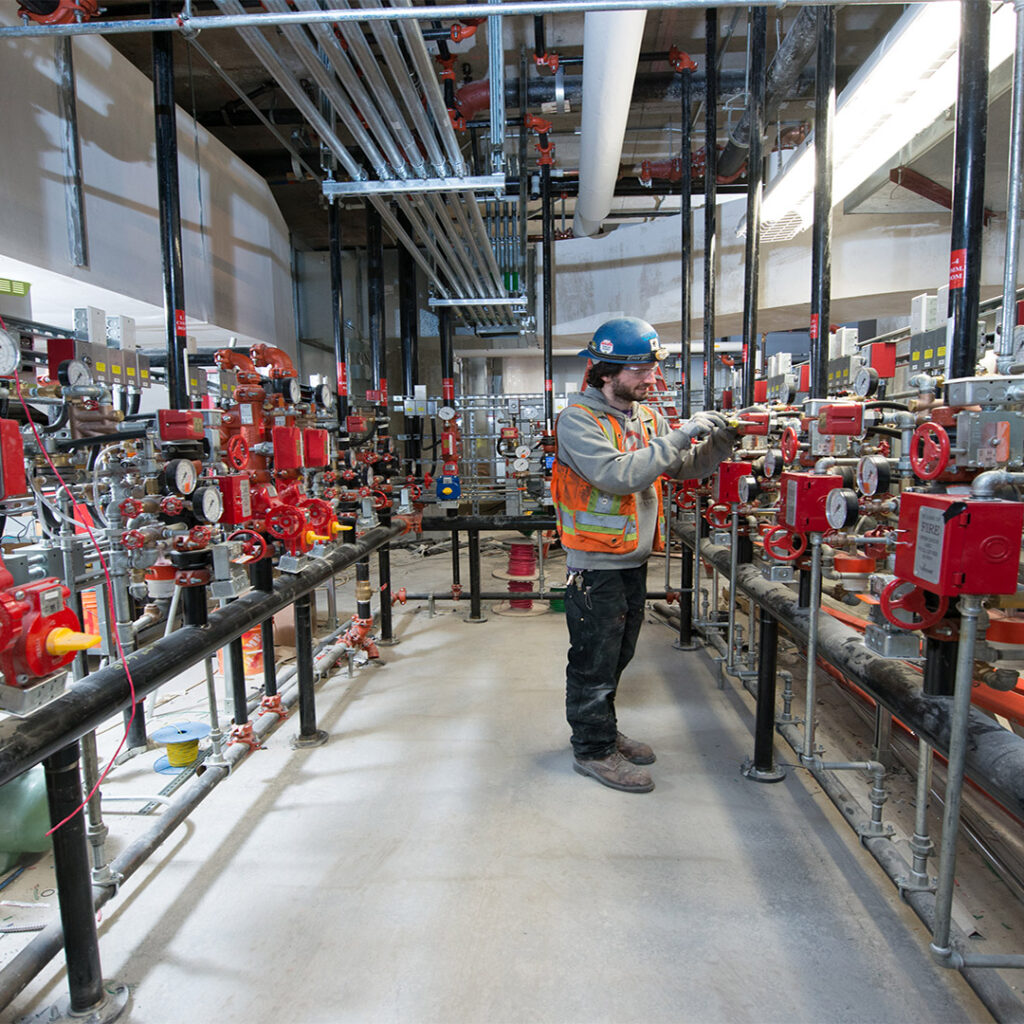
(383, 389)
(549, 385)
(744, 351)
(814, 328)
(448, 389)
(180, 327)
(957, 268)
(342, 379)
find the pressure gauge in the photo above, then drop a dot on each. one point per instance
(873, 474)
(325, 397)
(842, 508)
(291, 389)
(520, 465)
(523, 451)
(180, 475)
(9, 354)
(747, 488)
(446, 412)
(773, 462)
(865, 381)
(207, 504)
(73, 373)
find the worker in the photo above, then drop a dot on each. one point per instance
(611, 451)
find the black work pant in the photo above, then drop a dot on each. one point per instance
(604, 609)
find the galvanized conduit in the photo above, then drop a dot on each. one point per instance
(25, 742)
(997, 996)
(48, 943)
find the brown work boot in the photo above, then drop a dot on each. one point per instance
(615, 772)
(633, 750)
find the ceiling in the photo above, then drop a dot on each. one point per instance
(652, 132)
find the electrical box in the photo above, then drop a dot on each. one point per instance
(180, 424)
(317, 448)
(288, 452)
(803, 497)
(727, 478)
(842, 418)
(237, 495)
(987, 439)
(12, 460)
(952, 544)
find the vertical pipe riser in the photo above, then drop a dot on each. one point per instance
(710, 208)
(685, 242)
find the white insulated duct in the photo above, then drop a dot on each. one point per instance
(611, 49)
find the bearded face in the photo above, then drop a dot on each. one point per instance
(633, 383)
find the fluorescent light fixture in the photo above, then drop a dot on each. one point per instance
(903, 87)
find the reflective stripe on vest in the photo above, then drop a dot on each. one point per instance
(589, 519)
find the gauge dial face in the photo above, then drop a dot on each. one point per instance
(208, 505)
(326, 397)
(73, 373)
(293, 390)
(181, 476)
(9, 354)
(873, 474)
(446, 412)
(772, 462)
(521, 465)
(841, 508)
(746, 488)
(865, 381)
(523, 451)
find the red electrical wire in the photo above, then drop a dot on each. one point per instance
(110, 604)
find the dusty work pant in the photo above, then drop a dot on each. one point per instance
(604, 609)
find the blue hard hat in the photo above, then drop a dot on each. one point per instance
(626, 339)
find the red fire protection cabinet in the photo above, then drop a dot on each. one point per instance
(727, 478)
(317, 449)
(952, 544)
(12, 460)
(803, 497)
(842, 418)
(180, 424)
(237, 495)
(287, 448)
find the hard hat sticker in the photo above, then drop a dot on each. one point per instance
(606, 346)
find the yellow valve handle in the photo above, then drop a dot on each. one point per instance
(335, 527)
(312, 538)
(61, 641)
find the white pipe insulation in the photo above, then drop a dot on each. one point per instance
(611, 50)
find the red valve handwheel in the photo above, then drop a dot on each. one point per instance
(902, 595)
(785, 545)
(254, 546)
(719, 516)
(318, 511)
(238, 452)
(790, 444)
(686, 499)
(172, 505)
(133, 540)
(929, 450)
(130, 508)
(285, 523)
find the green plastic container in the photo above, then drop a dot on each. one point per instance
(25, 817)
(557, 603)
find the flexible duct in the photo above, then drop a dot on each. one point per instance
(611, 47)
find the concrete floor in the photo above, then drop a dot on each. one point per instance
(439, 860)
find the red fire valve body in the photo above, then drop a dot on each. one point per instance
(12, 460)
(727, 480)
(317, 448)
(288, 453)
(803, 497)
(237, 495)
(180, 424)
(846, 418)
(28, 614)
(951, 544)
(355, 424)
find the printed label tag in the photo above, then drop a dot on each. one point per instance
(931, 535)
(791, 492)
(957, 268)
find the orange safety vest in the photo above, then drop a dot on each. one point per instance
(589, 519)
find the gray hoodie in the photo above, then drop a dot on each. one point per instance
(585, 448)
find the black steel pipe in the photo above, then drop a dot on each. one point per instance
(758, 18)
(474, 575)
(548, 277)
(338, 313)
(375, 294)
(236, 673)
(764, 718)
(995, 756)
(456, 562)
(968, 187)
(410, 338)
(194, 609)
(262, 575)
(25, 742)
(710, 205)
(686, 598)
(305, 678)
(444, 331)
(821, 238)
(384, 580)
(497, 522)
(168, 198)
(74, 880)
(939, 666)
(685, 241)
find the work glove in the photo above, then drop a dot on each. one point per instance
(700, 425)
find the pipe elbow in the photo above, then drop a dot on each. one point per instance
(984, 484)
(239, 362)
(277, 359)
(824, 464)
